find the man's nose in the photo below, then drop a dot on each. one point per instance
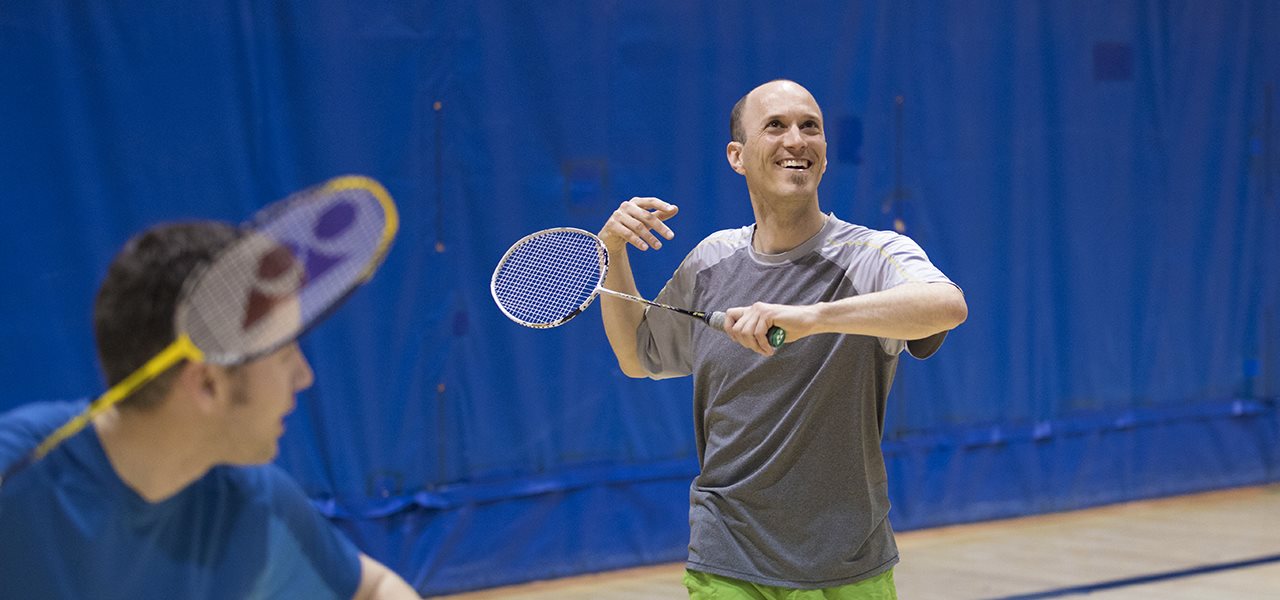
(303, 375)
(793, 138)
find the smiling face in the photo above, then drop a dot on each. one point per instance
(783, 153)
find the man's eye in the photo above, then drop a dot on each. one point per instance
(774, 123)
(810, 125)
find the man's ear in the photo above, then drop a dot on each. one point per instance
(733, 152)
(205, 386)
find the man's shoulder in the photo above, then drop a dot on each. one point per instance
(22, 428)
(736, 237)
(726, 240)
(843, 232)
(267, 489)
(39, 414)
(848, 239)
(719, 245)
(266, 482)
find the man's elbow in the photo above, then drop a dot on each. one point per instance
(377, 582)
(633, 370)
(953, 310)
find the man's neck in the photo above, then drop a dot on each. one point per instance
(784, 224)
(150, 453)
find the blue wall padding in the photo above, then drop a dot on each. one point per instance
(1102, 178)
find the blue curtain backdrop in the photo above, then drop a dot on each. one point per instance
(1102, 178)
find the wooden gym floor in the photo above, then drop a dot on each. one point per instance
(1223, 544)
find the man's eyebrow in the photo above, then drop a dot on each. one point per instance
(805, 117)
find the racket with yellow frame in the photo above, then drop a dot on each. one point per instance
(295, 262)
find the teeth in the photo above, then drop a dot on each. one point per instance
(791, 163)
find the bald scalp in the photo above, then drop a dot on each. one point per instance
(736, 131)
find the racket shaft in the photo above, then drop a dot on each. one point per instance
(180, 349)
(777, 336)
(692, 313)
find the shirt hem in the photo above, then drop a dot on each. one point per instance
(795, 584)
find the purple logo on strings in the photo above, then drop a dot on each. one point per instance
(277, 274)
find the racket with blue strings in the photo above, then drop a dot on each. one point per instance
(293, 264)
(551, 276)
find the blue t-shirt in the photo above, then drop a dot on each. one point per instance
(70, 528)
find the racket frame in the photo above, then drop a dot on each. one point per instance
(602, 255)
(714, 320)
(183, 348)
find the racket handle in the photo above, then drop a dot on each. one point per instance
(777, 335)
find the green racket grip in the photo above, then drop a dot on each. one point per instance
(777, 335)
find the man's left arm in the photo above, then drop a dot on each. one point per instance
(377, 582)
(911, 311)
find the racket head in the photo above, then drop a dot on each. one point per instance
(294, 263)
(549, 277)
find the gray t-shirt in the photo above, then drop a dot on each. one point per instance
(792, 490)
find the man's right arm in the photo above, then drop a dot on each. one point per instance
(637, 222)
(377, 582)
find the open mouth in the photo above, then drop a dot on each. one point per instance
(795, 164)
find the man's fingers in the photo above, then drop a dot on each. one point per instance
(744, 327)
(636, 220)
(749, 327)
(756, 333)
(663, 214)
(638, 227)
(665, 209)
(654, 222)
(653, 211)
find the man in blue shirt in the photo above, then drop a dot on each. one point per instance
(170, 493)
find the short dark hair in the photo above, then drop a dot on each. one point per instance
(736, 133)
(134, 311)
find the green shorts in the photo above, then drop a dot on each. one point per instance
(705, 586)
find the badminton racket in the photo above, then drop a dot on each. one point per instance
(290, 266)
(551, 276)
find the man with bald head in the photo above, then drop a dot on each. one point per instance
(791, 500)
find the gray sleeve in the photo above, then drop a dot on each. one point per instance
(664, 339)
(891, 260)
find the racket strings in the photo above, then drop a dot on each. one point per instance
(288, 270)
(549, 277)
(297, 262)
